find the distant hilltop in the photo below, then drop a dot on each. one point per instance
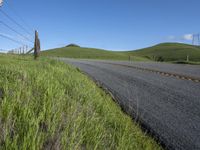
(72, 45)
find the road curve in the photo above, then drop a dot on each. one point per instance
(169, 107)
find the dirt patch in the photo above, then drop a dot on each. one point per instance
(1, 93)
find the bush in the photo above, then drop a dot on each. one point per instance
(72, 45)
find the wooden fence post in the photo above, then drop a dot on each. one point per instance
(188, 58)
(36, 46)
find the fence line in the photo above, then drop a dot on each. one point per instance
(23, 49)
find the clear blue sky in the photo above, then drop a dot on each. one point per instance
(107, 24)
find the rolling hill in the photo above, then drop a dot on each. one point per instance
(160, 52)
(88, 53)
(169, 52)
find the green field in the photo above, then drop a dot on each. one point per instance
(47, 104)
(161, 52)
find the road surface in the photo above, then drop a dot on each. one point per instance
(167, 105)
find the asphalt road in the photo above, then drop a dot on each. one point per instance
(167, 106)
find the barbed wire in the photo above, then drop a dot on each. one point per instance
(13, 20)
(11, 39)
(23, 36)
(19, 16)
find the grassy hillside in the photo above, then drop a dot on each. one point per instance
(170, 52)
(88, 53)
(46, 104)
(165, 52)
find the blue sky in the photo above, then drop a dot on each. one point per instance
(107, 24)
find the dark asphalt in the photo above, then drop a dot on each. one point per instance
(168, 107)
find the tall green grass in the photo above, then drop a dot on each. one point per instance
(46, 104)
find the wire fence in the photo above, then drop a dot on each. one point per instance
(17, 30)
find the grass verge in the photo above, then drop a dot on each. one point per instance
(46, 104)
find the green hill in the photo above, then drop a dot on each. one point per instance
(169, 52)
(160, 52)
(88, 53)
